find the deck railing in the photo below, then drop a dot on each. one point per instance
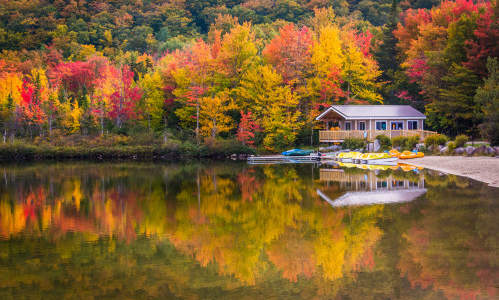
(340, 135)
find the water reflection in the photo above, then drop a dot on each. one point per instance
(233, 230)
(383, 185)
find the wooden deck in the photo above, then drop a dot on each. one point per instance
(333, 136)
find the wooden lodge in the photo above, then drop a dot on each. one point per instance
(368, 121)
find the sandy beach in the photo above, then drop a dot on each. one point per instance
(485, 169)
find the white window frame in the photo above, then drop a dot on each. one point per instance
(348, 122)
(417, 122)
(381, 121)
(391, 122)
(358, 125)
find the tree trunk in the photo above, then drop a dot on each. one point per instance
(197, 120)
(50, 125)
(214, 129)
(348, 92)
(102, 124)
(164, 134)
(312, 135)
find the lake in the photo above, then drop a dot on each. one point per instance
(229, 230)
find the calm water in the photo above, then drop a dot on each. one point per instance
(234, 231)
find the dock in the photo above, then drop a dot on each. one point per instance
(281, 159)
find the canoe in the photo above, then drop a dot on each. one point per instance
(297, 152)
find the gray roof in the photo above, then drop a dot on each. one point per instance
(374, 112)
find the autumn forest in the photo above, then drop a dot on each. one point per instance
(255, 72)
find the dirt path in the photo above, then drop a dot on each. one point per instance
(485, 169)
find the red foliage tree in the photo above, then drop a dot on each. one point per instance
(485, 44)
(247, 128)
(124, 101)
(79, 75)
(331, 86)
(31, 111)
(289, 52)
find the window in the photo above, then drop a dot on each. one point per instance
(348, 126)
(380, 125)
(412, 125)
(397, 183)
(362, 125)
(397, 125)
(381, 184)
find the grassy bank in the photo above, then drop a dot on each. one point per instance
(120, 148)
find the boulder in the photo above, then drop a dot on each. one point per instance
(459, 150)
(440, 147)
(420, 147)
(480, 150)
(469, 150)
(444, 150)
(496, 149)
(377, 145)
(490, 151)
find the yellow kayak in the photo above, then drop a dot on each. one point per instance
(394, 153)
(409, 154)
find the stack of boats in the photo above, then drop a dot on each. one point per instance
(390, 158)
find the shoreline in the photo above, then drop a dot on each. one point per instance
(480, 168)
(167, 152)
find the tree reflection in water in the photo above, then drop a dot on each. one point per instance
(228, 229)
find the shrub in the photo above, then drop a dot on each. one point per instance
(399, 141)
(435, 140)
(411, 142)
(384, 142)
(461, 140)
(451, 147)
(405, 143)
(354, 143)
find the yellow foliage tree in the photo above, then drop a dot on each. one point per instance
(213, 117)
(274, 105)
(339, 60)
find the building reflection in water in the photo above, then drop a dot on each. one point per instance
(365, 187)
